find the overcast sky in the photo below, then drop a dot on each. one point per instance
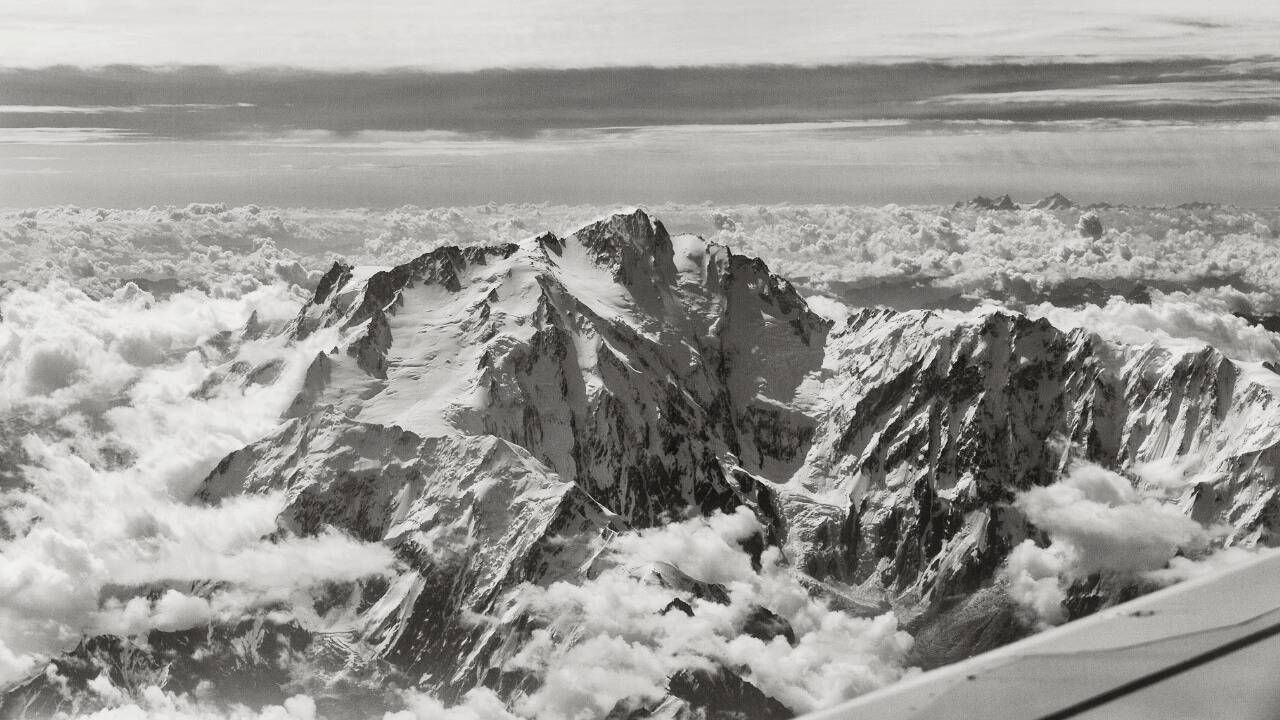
(383, 102)
(572, 33)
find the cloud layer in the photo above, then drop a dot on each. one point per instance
(1219, 258)
(211, 103)
(615, 639)
(607, 640)
(110, 436)
(557, 33)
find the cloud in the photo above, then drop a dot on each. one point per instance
(59, 350)
(605, 640)
(220, 251)
(1098, 522)
(1222, 261)
(1214, 92)
(1168, 321)
(201, 103)
(557, 33)
(153, 703)
(829, 308)
(1034, 579)
(173, 611)
(1104, 524)
(109, 438)
(63, 135)
(477, 704)
(157, 704)
(1183, 568)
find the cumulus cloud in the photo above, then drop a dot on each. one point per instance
(613, 639)
(606, 640)
(853, 253)
(1104, 524)
(110, 440)
(153, 703)
(1099, 523)
(1169, 322)
(1183, 568)
(173, 611)
(60, 350)
(829, 308)
(1034, 577)
(478, 704)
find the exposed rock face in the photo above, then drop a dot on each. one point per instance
(472, 516)
(496, 414)
(982, 202)
(496, 398)
(934, 426)
(625, 365)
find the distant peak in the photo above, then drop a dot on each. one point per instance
(1056, 201)
(982, 202)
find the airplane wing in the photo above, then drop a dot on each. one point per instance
(1206, 648)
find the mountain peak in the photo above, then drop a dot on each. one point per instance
(1056, 201)
(628, 243)
(982, 202)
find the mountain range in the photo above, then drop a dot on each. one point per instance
(500, 416)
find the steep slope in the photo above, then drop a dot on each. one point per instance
(936, 424)
(626, 361)
(470, 517)
(609, 380)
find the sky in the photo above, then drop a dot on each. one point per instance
(386, 102)
(374, 34)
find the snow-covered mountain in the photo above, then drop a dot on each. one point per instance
(499, 415)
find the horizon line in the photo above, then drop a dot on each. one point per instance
(952, 61)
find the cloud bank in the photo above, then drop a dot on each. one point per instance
(1221, 258)
(1101, 524)
(186, 103)
(110, 424)
(616, 639)
(1175, 321)
(607, 640)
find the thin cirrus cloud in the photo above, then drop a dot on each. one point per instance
(212, 103)
(1123, 162)
(64, 135)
